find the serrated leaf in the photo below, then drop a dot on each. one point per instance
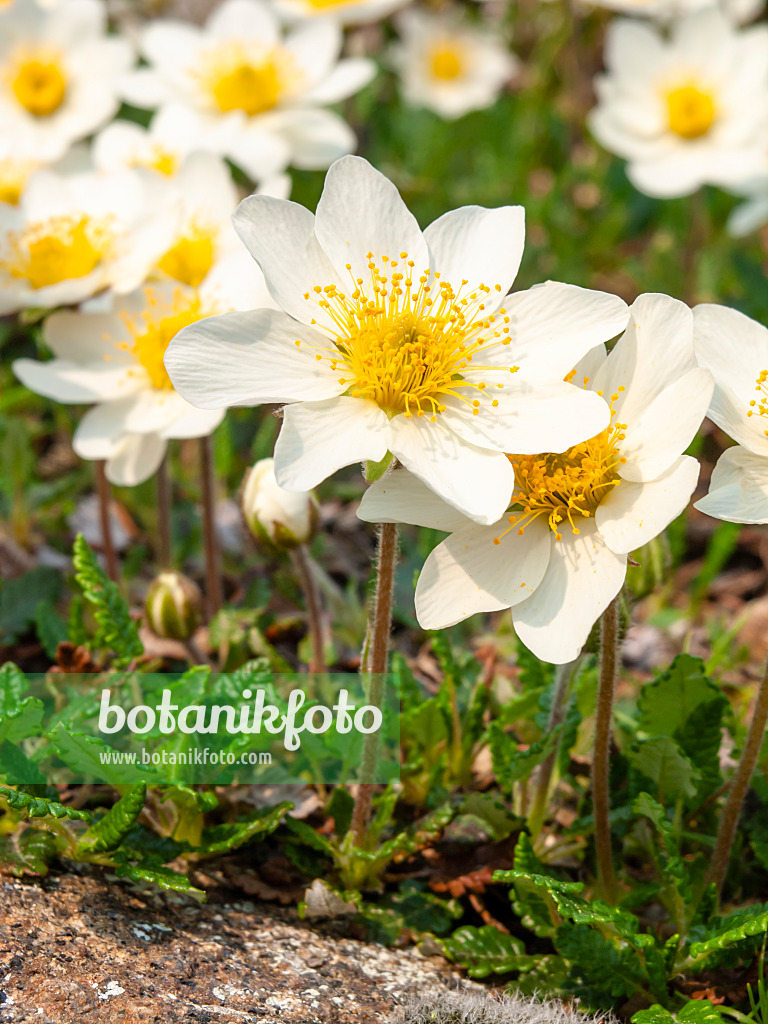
(51, 628)
(741, 924)
(13, 685)
(20, 597)
(117, 630)
(17, 769)
(164, 878)
(662, 762)
(81, 754)
(483, 951)
(109, 832)
(671, 863)
(27, 853)
(23, 721)
(599, 962)
(220, 839)
(512, 764)
(40, 807)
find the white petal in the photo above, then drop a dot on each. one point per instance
(244, 20)
(469, 573)
(136, 460)
(582, 578)
(666, 427)
(735, 349)
(634, 513)
(478, 245)
(99, 431)
(315, 137)
(361, 212)
(547, 418)
(280, 236)
(738, 491)
(554, 325)
(318, 438)
(72, 382)
(249, 359)
(348, 77)
(82, 338)
(401, 497)
(193, 423)
(477, 482)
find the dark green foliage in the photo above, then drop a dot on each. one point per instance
(40, 807)
(27, 852)
(110, 830)
(117, 631)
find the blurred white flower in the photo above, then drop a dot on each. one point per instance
(739, 11)
(115, 359)
(558, 556)
(72, 236)
(735, 349)
(688, 110)
(448, 65)
(394, 340)
(256, 93)
(58, 74)
(282, 518)
(346, 12)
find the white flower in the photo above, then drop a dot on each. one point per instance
(285, 518)
(346, 12)
(449, 66)
(71, 236)
(735, 349)
(688, 110)
(115, 359)
(250, 87)
(558, 555)
(58, 74)
(394, 340)
(739, 11)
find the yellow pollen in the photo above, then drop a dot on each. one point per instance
(761, 405)
(248, 78)
(38, 81)
(691, 111)
(56, 250)
(322, 4)
(160, 160)
(13, 179)
(446, 62)
(153, 331)
(408, 344)
(190, 259)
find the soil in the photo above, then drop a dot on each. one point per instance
(89, 948)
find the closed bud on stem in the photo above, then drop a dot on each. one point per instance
(174, 606)
(276, 517)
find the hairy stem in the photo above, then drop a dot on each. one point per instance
(163, 516)
(107, 544)
(739, 786)
(212, 567)
(609, 642)
(375, 663)
(302, 564)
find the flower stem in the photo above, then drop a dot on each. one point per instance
(732, 809)
(609, 642)
(563, 676)
(302, 564)
(163, 516)
(107, 544)
(375, 663)
(212, 567)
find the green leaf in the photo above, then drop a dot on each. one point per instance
(483, 951)
(512, 764)
(117, 630)
(17, 768)
(661, 761)
(108, 832)
(81, 754)
(162, 877)
(671, 864)
(23, 721)
(741, 924)
(27, 853)
(598, 962)
(220, 839)
(40, 807)
(51, 628)
(13, 685)
(20, 597)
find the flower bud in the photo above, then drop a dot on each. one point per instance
(283, 519)
(174, 606)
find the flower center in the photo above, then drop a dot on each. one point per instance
(57, 250)
(39, 82)
(761, 405)
(154, 329)
(190, 259)
(568, 486)
(321, 4)
(248, 78)
(691, 112)
(407, 345)
(158, 159)
(446, 62)
(13, 179)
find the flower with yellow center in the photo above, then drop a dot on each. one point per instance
(346, 12)
(558, 555)
(14, 174)
(56, 250)
(115, 362)
(258, 93)
(59, 73)
(735, 349)
(394, 342)
(688, 106)
(448, 65)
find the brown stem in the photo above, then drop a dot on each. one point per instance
(375, 663)
(212, 566)
(732, 809)
(563, 676)
(107, 544)
(609, 636)
(163, 516)
(302, 565)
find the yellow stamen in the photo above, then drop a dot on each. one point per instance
(691, 111)
(248, 78)
(163, 161)
(13, 179)
(446, 62)
(38, 81)
(57, 250)
(190, 259)
(761, 405)
(407, 345)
